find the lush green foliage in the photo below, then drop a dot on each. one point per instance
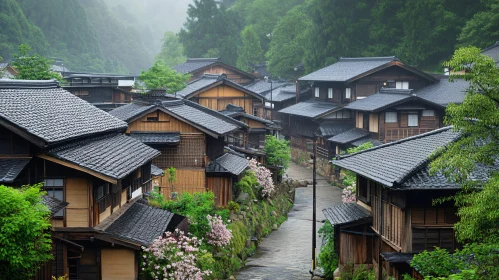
(482, 30)
(328, 258)
(211, 31)
(362, 147)
(357, 273)
(172, 174)
(474, 262)
(32, 67)
(160, 76)
(350, 177)
(172, 51)
(278, 151)
(25, 239)
(287, 45)
(478, 120)
(250, 51)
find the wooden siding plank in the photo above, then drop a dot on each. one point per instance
(118, 264)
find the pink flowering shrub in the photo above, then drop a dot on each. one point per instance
(348, 195)
(174, 257)
(264, 177)
(218, 235)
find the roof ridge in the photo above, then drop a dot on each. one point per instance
(439, 130)
(396, 91)
(213, 112)
(207, 59)
(28, 84)
(491, 46)
(368, 58)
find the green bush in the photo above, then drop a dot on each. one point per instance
(278, 151)
(328, 259)
(234, 206)
(359, 273)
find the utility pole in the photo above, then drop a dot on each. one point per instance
(314, 217)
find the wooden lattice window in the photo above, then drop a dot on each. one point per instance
(189, 152)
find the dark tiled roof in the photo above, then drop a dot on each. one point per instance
(10, 168)
(381, 100)
(263, 87)
(193, 64)
(140, 223)
(156, 171)
(347, 68)
(396, 257)
(282, 94)
(203, 82)
(346, 213)
(236, 111)
(208, 80)
(53, 204)
(349, 136)
(310, 108)
(391, 164)
(156, 137)
(330, 129)
(445, 92)
(228, 163)
(492, 51)
(185, 110)
(114, 156)
(52, 114)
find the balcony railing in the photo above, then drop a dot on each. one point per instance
(393, 134)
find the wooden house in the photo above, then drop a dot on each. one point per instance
(197, 67)
(335, 86)
(393, 114)
(7, 71)
(394, 216)
(105, 91)
(93, 174)
(189, 137)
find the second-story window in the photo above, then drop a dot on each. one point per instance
(428, 113)
(402, 85)
(348, 93)
(413, 119)
(330, 93)
(269, 105)
(55, 189)
(316, 92)
(391, 117)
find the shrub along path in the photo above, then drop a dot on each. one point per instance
(286, 253)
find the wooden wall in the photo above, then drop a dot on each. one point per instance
(189, 180)
(118, 264)
(166, 123)
(222, 188)
(77, 195)
(373, 123)
(218, 98)
(355, 249)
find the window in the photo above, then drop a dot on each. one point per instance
(402, 85)
(316, 92)
(153, 117)
(330, 93)
(428, 113)
(413, 119)
(55, 189)
(391, 117)
(269, 105)
(101, 191)
(255, 111)
(348, 93)
(360, 97)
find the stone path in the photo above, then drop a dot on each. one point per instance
(287, 253)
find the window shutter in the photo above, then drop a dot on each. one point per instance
(413, 120)
(403, 120)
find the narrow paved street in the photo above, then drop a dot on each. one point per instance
(287, 253)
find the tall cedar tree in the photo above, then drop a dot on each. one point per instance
(250, 51)
(477, 119)
(483, 29)
(33, 67)
(160, 76)
(211, 31)
(25, 240)
(286, 48)
(172, 51)
(340, 29)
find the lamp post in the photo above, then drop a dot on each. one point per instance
(314, 215)
(269, 79)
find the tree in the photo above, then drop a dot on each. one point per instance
(429, 33)
(250, 50)
(25, 239)
(33, 67)
(278, 151)
(483, 29)
(340, 29)
(210, 30)
(172, 51)
(477, 120)
(286, 47)
(161, 77)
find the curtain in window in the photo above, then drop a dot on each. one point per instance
(413, 120)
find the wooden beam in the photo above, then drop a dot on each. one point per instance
(79, 168)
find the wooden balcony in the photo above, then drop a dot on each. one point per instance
(394, 134)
